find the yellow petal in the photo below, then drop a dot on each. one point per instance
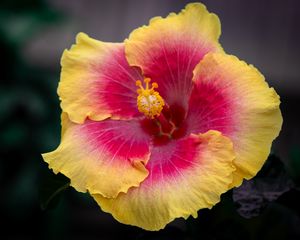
(185, 176)
(96, 81)
(105, 157)
(168, 49)
(234, 98)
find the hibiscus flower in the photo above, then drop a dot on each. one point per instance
(159, 126)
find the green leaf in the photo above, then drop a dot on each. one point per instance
(51, 189)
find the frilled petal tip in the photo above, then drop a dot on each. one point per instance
(96, 81)
(233, 97)
(106, 157)
(191, 175)
(168, 49)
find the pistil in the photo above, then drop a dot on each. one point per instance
(168, 123)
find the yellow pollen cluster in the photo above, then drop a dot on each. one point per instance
(149, 101)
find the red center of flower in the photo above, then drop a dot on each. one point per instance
(169, 125)
(163, 122)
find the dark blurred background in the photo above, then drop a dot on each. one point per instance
(33, 34)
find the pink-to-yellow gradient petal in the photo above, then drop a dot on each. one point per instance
(96, 81)
(233, 98)
(184, 176)
(105, 157)
(168, 49)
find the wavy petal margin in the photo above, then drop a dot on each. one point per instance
(97, 82)
(168, 49)
(105, 157)
(234, 98)
(184, 176)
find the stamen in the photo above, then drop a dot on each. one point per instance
(149, 101)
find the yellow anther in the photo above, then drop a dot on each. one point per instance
(138, 83)
(147, 80)
(149, 102)
(154, 85)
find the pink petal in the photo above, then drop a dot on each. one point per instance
(168, 49)
(184, 176)
(105, 157)
(97, 82)
(234, 98)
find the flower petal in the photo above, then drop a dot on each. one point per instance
(233, 98)
(105, 157)
(184, 176)
(169, 48)
(96, 81)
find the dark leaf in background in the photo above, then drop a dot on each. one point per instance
(253, 196)
(51, 189)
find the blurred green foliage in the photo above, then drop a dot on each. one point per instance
(30, 125)
(29, 116)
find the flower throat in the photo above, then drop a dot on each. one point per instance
(159, 116)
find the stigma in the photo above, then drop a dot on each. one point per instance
(149, 102)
